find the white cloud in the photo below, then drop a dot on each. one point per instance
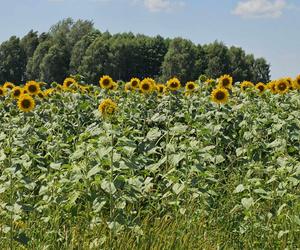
(260, 8)
(162, 5)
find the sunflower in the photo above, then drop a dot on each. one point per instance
(210, 81)
(296, 82)
(106, 82)
(41, 94)
(135, 82)
(220, 95)
(246, 85)
(290, 82)
(68, 82)
(261, 87)
(17, 92)
(2, 91)
(173, 84)
(128, 87)
(225, 81)
(26, 103)
(8, 85)
(161, 88)
(48, 92)
(190, 86)
(59, 87)
(114, 86)
(32, 88)
(147, 85)
(282, 86)
(271, 87)
(107, 107)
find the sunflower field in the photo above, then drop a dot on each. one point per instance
(209, 164)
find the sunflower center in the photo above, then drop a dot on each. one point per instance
(1, 92)
(281, 86)
(220, 95)
(298, 81)
(69, 83)
(26, 103)
(17, 92)
(134, 83)
(173, 85)
(191, 86)
(106, 82)
(32, 88)
(261, 88)
(226, 82)
(146, 86)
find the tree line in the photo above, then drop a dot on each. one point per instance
(77, 47)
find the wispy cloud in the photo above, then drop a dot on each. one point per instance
(260, 8)
(163, 5)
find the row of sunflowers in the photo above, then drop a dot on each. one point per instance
(219, 89)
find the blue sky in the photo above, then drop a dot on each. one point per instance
(267, 28)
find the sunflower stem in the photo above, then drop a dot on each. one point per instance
(111, 234)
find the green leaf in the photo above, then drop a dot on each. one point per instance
(247, 202)
(177, 188)
(93, 171)
(153, 134)
(55, 166)
(108, 187)
(240, 188)
(2, 155)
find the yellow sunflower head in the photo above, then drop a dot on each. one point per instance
(296, 82)
(161, 88)
(16, 92)
(128, 87)
(114, 86)
(190, 86)
(106, 82)
(220, 95)
(173, 84)
(41, 94)
(8, 85)
(271, 87)
(68, 82)
(147, 85)
(48, 92)
(210, 81)
(290, 82)
(282, 86)
(246, 85)
(32, 88)
(261, 87)
(135, 83)
(26, 103)
(107, 107)
(2, 91)
(225, 81)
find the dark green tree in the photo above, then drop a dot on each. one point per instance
(218, 59)
(12, 61)
(180, 60)
(96, 61)
(79, 50)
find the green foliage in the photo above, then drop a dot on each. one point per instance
(12, 60)
(170, 172)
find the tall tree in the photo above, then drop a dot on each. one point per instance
(12, 61)
(180, 60)
(218, 59)
(79, 50)
(96, 61)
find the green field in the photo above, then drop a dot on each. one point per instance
(170, 170)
